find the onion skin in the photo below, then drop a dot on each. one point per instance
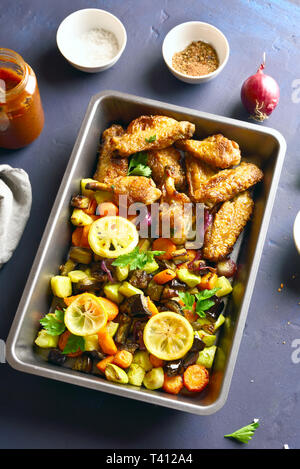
(260, 94)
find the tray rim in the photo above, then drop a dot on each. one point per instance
(146, 396)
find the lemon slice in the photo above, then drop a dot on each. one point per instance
(168, 335)
(113, 236)
(85, 315)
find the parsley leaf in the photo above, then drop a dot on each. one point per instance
(205, 294)
(136, 259)
(74, 343)
(151, 139)
(202, 306)
(244, 434)
(188, 299)
(54, 323)
(138, 165)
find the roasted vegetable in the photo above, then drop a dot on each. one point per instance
(80, 201)
(122, 273)
(76, 275)
(173, 384)
(215, 311)
(123, 358)
(67, 267)
(154, 290)
(83, 364)
(123, 329)
(187, 277)
(61, 286)
(81, 255)
(106, 342)
(196, 378)
(128, 290)
(180, 255)
(45, 340)
(208, 281)
(112, 292)
(164, 276)
(151, 267)
(116, 374)
(88, 284)
(154, 379)
(206, 356)
(91, 343)
(139, 279)
(224, 285)
(208, 339)
(80, 218)
(172, 305)
(112, 328)
(56, 357)
(141, 357)
(136, 374)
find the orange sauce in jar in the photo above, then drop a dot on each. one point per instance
(21, 112)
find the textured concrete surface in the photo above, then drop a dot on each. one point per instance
(36, 412)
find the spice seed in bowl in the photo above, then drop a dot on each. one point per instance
(197, 59)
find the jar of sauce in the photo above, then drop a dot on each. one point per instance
(21, 112)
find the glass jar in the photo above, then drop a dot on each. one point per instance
(21, 112)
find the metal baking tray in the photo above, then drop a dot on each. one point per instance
(264, 145)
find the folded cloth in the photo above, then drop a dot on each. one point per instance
(15, 205)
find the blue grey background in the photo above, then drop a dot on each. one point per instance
(40, 413)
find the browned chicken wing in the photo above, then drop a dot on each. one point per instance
(217, 150)
(228, 224)
(174, 211)
(159, 160)
(151, 133)
(197, 173)
(136, 188)
(227, 183)
(109, 165)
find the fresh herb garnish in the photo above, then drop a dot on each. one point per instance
(200, 300)
(53, 323)
(138, 165)
(74, 343)
(136, 259)
(151, 139)
(188, 300)
(244, 434)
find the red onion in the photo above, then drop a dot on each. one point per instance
(260, 94)
(226, 268)
(106, 270)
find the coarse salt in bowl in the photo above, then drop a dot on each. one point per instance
(182, 35)
(92, 40)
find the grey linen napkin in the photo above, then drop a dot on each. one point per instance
(15, 205)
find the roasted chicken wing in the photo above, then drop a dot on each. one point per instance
(136, 188)
(197, 173)
(225, 184)
(151, 133)
(217, 151)
(174, 211)
(228, 224)
(110, 166)
(159, 160)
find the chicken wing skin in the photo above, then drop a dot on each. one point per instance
(197, 173)
(136, 188)
(159, 160)
(227, 183)
(110, 166)
(216, 151)
(151, 133)
(228, 224)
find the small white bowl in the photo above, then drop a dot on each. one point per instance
(182, 35)
(296, 232)
(80, 22)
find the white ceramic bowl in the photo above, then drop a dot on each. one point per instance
(80, 22)
(296, 232)
(182, 35)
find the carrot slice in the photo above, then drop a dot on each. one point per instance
(110, 307)
(123, 358)
(164, 276)
(191, 316)
(62, 342)
(103, 363)
(164, 244)
(173, 384)
(76, 236)
(151, 306)
(84, 243)
(106, 342)
(106, 209)
(196, 378)
(156, 362)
